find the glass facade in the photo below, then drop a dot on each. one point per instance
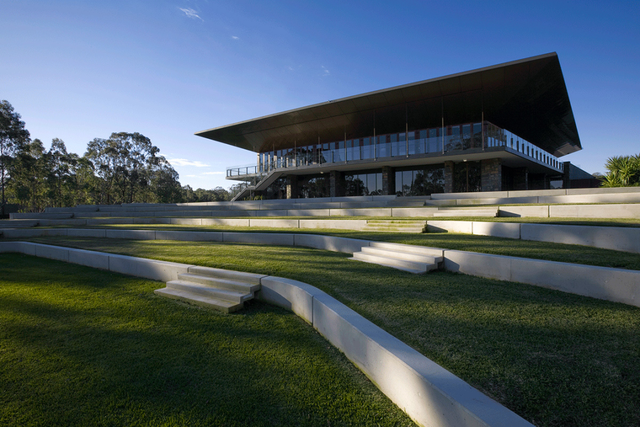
(440, 140)
(363, 184)
(419, 182)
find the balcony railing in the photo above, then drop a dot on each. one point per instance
(468, 137)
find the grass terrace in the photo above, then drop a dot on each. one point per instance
(464, 242)
(556, 359)
(79, 346)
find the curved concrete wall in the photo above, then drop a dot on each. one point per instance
(607, 283)
(626, 239)
(428, 393)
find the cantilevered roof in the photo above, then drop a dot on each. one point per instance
(528, 97)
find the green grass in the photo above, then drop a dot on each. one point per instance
(464, 242)
(85, 347)
(554, 358)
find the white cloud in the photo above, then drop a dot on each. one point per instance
(191, 13)
(214, 173)
(235, 37)
(185, 162)
(325, 72)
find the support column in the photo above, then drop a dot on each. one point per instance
(491, 175)
(566, 176)
(520, 179)
(388, 180)
(336, 189)
(292, 186)
(448, 177)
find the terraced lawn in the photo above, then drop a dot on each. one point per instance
(83, 347)
(556, 359)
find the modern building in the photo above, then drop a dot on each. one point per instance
(503, 127)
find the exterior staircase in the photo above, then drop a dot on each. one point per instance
(395, 226)
(221, 290)
(489, 212)
(414, 259)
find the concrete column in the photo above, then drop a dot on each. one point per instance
(566, 177)
(491, 175)
(448, 177)
(336, 188)
(292, 186)
(520, 179)
(388, 180)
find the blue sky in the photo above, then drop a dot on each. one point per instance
(78, 70)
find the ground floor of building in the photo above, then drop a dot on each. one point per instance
(447, 177)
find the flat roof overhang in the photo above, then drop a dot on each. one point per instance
(527, 97)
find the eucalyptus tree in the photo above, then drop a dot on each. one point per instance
(13, 136)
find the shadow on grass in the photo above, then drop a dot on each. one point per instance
(120, 355)
(552, 357)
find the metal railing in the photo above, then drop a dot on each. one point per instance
(444, 144)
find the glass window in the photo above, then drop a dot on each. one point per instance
(402, 144)
(466, 137)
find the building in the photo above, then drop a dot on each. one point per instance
(498, 128)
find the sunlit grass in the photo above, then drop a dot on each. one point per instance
(464, 242)
(85, 347)
(554, 358)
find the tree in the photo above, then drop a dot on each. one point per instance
(61, 179)
(29, 170)
(13, 136)
(128, 166)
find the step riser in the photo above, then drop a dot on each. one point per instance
(391, 266)
(401, 255)
(217, 283)
(199, 302)
(391, 261)
(253, 279)
(210, 292)
(418, 250)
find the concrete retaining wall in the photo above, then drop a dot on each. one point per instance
(607, 283)
(611, 284)
(625, 239)
(428, 393)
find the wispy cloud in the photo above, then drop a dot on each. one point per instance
(185, 162)
(235, 37)
(325, 72)
(214, 173)
(191, 13)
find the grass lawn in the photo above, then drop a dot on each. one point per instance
(85, 347)
(464, 242)
(554, 358)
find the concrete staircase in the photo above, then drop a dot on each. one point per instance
(221, 290)
(489, 212)
(395, 226)
(414, 259)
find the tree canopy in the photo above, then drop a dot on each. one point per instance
(123, 168)
(13, 136)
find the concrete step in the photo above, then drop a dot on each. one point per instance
(412, 249)
(219, 283)
(382, 229)
(223, 290)
(207, 291)
(409, 266)
(199, 300)
(396, 226)
(227, 274)
(388, 253)
(488, 212)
